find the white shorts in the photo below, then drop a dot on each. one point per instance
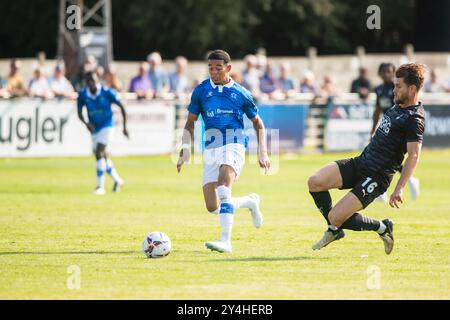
(104, 136)
(232, 154)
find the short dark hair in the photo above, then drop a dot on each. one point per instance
(219, 55)
(89, 75)
(385, 65)
(412, 74)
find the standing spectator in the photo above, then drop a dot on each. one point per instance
(61, 87)
(141, 83)
(432, 85)
(251, 76)
(157, 75)
(111, 80)
(15, 85)
(178, 80)
(308, 83)
(361, 85)
(288, 84)
(39, 86)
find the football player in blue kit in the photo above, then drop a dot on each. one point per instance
(370, 174)
(98, 101)
(223, 103)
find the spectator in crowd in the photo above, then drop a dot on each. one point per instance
(141, 83)
(432, 85)
(111, 80)
(269, 82)
(447, 86)
(100, 72)
(39, 86)
(288, 84)
(327, 89)
(307, 84)
(361, 85)
(251, 76)
(15, 85)
(157, 75)
(261, 64)
(236, 76)
(60, 86)
(178, 80)
(90, 64)
(3, 91)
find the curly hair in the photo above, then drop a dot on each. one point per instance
(412, 74)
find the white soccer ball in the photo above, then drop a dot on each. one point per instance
(156, 245)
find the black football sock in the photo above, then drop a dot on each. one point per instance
(358, 222)
(323, 202)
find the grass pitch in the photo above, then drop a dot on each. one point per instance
(58, 241)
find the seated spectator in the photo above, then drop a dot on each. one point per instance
(15, 85)
(111, 80)
(432, 85)
(141, 83)
(361, 85)
(3, 92)
(307, 84)
(100, 72)
(178, 80)
(39, 86)
(237, 77)
(251, 76)
(327, 89)
(61, 87)
(157, 75)
(90, 64)
(269, 83)
(288, 84)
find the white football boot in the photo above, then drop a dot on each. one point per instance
(99, 191)
(219, 246)
(255, 211)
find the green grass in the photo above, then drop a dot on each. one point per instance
(49, 220)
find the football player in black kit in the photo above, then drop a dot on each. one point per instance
(385, 100)
(370, 174)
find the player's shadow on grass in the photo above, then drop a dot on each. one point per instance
(264, 259)
(68, 252)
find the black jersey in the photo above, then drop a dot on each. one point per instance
(384, 155)
(385, 96)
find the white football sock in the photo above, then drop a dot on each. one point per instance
(226, 212)
(111, 170)
(101, 167)
(242, 202)
(382, 228)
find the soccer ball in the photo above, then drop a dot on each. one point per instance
(156, 245)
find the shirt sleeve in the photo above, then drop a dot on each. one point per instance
(114, 96)
(250, 108)
(195, 106)
(415, 128)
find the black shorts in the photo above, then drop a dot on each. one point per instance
(364, 187)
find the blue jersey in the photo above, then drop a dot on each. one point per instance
(222, 109)
(98, 106)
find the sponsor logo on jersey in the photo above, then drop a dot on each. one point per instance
(385, 125)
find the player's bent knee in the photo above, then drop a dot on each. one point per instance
(334, 219)
(316, 184)
(212, 208)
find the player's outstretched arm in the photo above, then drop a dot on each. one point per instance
(375, 118)
(258, 125)
(411, 161)
(188, 136)
(124, 118)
